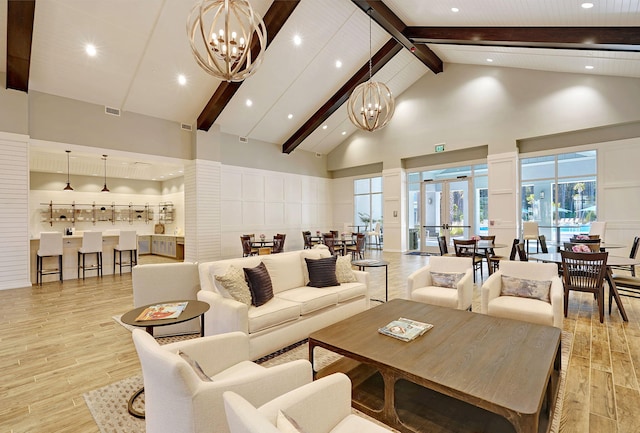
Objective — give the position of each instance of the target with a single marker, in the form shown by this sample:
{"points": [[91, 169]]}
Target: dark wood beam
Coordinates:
{"points": [[381, 58], [274, 19], [576, 38], [20, 15], [389, 21]]}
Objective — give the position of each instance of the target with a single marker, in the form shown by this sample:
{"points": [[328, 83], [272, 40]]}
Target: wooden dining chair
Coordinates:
{"points": [[247, 248], [357, 250], [278, 243], [329, 241], [444, 249], [632, 255], [469, 248], [584, 272]]}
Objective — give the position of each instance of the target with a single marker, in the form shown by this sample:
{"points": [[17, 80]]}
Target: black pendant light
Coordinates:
{"points": [[68, 187], [105, 189]]}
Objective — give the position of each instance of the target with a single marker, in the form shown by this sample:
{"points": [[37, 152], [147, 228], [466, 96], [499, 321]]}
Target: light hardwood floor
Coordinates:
{"points": [[58, 341]]}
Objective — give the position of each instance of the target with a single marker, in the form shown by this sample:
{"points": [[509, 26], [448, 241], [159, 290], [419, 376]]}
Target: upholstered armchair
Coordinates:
{"points": [[183, 391], [445, 281], [515, 290], [321, 406]]}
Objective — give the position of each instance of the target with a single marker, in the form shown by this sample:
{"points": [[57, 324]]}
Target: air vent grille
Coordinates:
{"points": [[186, 127], [243, 139], [112, 111]]}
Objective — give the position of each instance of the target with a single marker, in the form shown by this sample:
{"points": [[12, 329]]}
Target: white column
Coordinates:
{"points": [[394, 189]]}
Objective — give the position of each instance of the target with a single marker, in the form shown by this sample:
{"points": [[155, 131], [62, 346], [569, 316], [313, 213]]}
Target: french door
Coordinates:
{"points": [[445, 210]]}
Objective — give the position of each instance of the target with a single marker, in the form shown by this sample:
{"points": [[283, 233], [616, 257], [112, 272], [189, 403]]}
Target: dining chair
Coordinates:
{"points": [[247, 248], [530, 233], [306, 236], [522, 253], [375, 233], [444, 249], [357, 250], [584, 272], [329, 241], [494, 261], [598, 228], [632, 255], [469, 248], [278, 243], [542, 240]]}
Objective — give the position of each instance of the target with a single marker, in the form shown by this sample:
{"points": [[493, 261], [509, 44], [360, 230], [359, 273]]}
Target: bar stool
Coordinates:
{"points": [[128, 241], [91, 244], [50, 246]]}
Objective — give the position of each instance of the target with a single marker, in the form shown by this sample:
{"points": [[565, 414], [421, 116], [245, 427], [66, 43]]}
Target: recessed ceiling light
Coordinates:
{"points": [[290, 116], [588, 67], [91, 50], [586, 5], [324, 126], [249, 102], [182, 80], [338, 63], [344, 132], [297, 40], [489, 60], [455, 10]]}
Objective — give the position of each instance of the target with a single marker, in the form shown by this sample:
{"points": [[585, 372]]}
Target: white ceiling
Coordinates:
{"points": [[142, 47]]}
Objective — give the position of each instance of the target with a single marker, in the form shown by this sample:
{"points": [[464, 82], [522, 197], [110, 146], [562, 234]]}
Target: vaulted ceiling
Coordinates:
{"points": [[298, 93]]}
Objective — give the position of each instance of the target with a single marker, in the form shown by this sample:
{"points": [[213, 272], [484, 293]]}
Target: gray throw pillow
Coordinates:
{"points": [[446, 279], [322, 272], [259, 284], [523, 288]]}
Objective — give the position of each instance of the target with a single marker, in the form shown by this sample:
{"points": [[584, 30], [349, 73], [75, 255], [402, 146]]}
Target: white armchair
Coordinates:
{"points": [[323, 406], [525, 308], [422, 287], [178, 400]]}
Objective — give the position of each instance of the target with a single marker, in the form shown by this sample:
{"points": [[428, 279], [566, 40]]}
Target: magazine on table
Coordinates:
{"points": [[162, 311], [405, 329]]}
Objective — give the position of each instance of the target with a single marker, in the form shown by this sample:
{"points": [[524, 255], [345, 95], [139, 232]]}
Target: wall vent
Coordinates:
{"points": [[112, 111], [243, 139], [186, 127], [318, 155]]}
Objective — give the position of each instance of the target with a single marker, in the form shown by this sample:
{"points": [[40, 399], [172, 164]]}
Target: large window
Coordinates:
{"points": [[559, 191], [367, 201]]}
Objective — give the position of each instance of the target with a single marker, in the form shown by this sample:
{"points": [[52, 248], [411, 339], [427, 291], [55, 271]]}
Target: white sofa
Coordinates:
{"points": [[422, 288], [295, 311]]}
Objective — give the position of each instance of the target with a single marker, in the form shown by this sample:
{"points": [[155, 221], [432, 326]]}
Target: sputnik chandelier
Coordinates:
{"points": [[371, 104], [222, 35]]}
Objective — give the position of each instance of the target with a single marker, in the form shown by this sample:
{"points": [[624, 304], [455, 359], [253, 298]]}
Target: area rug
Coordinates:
{"points": [[108, 404], [418, 253]]}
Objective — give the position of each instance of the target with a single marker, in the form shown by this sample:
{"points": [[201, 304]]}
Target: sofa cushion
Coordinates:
{"points": [[259, 284], [273, 313], [347, 291], [524, 288], [195, 365], [286, 424], [525, 309], [235, 284], [344, 272], [322, 272], [446, 279], [285, 270], [310, 298], [440, 296]]}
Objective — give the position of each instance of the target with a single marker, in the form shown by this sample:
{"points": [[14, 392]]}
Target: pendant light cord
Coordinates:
{"points": [[370, 62]]}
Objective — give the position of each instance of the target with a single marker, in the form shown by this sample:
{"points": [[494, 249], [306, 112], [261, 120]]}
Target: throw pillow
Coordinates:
{"points": [[322, 272], [234, 282], [196, 367], [286, 424], [534, 289], [446, 279], [344, 273], [259, 284]]}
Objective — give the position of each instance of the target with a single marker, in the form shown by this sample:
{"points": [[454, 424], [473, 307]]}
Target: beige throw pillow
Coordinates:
{"points": [[449, 280], [234, 282], [534, 289], [344, 273]]}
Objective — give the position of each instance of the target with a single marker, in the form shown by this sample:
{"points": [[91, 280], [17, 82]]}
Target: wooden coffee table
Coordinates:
{"points": [[471, 372]]}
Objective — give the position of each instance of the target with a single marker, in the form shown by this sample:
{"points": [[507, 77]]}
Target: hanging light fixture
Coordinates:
{"points": [[371, 104], [105, 189], [221, 34], [68, 187]]}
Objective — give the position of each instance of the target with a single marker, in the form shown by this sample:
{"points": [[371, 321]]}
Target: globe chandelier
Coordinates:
{"points": [[222, 34], [371, 105]]}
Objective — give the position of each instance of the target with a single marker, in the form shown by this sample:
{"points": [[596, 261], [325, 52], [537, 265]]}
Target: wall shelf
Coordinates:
{"points": [[77, 212]]}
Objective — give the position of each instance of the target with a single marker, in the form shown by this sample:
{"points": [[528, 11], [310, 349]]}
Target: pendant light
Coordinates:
{"points": [[371, 105], [105, 189], [68, 187]]}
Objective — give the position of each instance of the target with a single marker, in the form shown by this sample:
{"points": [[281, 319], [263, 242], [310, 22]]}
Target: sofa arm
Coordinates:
{"points": [[257, 388], [491, 290], [556, 294], [363, 278], [206, 350], [419, 278], [465, 290], [225, 315]]}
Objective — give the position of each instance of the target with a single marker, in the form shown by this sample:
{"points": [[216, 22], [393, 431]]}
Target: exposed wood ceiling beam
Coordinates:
{"points": [[576, 38], [274, 19], [380, 59], [20, 15], [389, 21]]}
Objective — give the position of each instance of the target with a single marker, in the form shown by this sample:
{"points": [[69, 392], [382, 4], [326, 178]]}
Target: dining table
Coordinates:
{"points": [[556, 257]]}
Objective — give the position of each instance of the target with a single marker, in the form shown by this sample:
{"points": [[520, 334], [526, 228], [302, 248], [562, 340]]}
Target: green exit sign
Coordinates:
{"points": [[439, 148]]}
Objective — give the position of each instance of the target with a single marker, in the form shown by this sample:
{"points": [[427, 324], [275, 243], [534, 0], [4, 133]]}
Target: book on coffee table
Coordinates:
{"points": [[405, 329], [162, 311]]}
